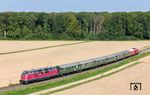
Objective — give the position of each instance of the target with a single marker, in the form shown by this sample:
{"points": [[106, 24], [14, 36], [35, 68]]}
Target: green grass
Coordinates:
{"points": [[51, 92], [31, 89]]}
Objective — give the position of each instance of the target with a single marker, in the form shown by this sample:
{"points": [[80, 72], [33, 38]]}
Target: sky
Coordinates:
{"points": [[74, 5]]}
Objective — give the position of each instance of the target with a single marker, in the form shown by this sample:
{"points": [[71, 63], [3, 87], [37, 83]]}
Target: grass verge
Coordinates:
{"points": [[71, 79], [51, 92]]}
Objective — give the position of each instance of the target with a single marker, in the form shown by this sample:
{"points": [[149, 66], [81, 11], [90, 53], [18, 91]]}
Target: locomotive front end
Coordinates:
{"points": [[24, 77], [134, 51]]}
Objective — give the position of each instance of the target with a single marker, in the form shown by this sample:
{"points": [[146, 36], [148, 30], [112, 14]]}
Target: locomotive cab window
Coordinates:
{"points": [[46, 70], [25, 72]]}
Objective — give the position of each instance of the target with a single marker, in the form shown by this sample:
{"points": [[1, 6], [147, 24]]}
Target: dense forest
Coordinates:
{"points": [[75, 26]]}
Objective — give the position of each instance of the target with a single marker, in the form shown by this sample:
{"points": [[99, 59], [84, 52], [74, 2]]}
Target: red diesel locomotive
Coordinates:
{"points": [[134, 51], [38, 74]]}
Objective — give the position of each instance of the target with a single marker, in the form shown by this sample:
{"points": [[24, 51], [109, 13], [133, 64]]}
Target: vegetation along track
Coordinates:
{"points": [[33, 49], [19, 86]]}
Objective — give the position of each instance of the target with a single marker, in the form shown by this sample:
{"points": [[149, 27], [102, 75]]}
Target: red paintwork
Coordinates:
{"points": [[38, 75], [134, 51]]}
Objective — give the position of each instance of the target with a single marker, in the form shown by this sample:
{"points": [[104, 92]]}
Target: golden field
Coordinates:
{"points": [[12, 65]]}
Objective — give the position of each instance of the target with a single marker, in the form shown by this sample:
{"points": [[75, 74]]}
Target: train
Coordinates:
{"points": [[40, 74]]}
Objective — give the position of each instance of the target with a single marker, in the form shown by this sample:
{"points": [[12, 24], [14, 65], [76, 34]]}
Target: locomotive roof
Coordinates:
{"points": [[36, 70]]}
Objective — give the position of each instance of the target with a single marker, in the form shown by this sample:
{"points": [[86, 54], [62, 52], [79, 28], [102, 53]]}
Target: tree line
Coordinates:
{"points": [[75, 26]]}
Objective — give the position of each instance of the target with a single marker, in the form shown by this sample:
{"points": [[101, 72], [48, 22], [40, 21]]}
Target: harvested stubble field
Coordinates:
{"points": [[117, 84], [12, 65]]}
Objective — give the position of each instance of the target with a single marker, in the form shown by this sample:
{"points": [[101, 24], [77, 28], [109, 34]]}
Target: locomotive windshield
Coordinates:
{"points": [[25, 72]]}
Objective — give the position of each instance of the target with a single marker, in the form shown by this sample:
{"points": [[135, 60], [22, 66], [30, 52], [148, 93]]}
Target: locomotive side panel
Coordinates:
{"points": [[39, 74]]}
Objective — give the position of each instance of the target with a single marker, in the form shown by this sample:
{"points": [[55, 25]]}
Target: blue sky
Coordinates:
{"points": [[74, 5]]}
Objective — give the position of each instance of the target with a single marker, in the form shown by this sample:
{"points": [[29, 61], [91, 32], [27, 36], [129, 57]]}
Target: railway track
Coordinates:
{"points": [[19, 86], [33, 49]]}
